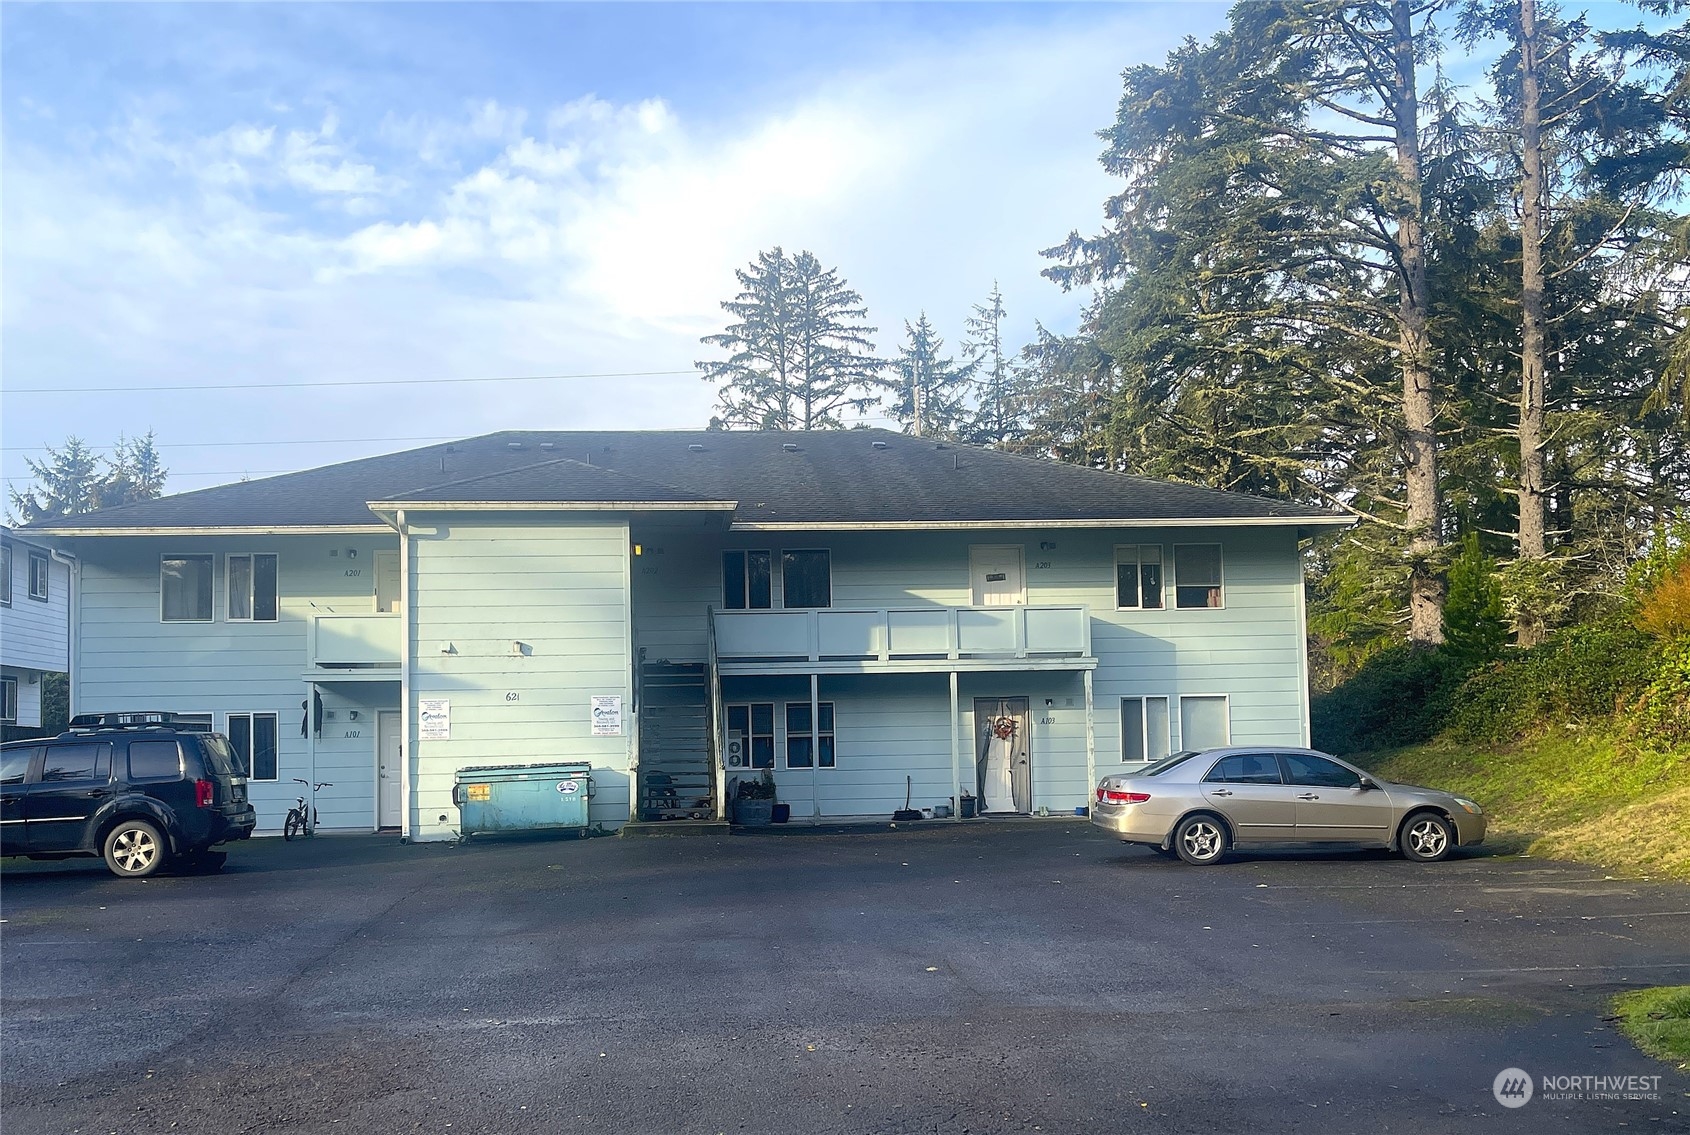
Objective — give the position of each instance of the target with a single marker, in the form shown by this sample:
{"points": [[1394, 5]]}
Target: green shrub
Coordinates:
{"points": [[1662, 711], [1580, 674], [1474, 626], [1400, 696]]}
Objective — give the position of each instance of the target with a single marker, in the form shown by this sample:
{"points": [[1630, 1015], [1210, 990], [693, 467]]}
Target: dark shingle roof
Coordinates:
{"points": [[835, 478]]}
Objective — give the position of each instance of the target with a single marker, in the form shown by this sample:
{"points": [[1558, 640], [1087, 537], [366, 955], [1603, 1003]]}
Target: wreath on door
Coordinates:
{"points": [[1004, 728]]}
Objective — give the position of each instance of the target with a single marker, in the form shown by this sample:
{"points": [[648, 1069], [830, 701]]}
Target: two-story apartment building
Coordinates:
{"points": [[35, 589], [864, 614]]}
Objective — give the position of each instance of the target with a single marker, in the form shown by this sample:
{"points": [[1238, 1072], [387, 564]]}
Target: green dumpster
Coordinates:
{"points": [[524, 798]]}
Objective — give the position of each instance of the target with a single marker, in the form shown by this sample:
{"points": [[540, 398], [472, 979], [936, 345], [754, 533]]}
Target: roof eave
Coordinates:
{"points": [[215, 530], [387, 509], [964, 525]]}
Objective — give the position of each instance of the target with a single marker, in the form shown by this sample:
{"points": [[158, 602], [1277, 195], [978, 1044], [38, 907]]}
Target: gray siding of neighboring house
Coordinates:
{"points": [[1251, 650], [128, 658], [479, 583], [35, 633]]}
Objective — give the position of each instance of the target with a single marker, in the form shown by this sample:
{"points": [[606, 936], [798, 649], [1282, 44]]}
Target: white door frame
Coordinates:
{"points": [[977, 551], [389, 724]]}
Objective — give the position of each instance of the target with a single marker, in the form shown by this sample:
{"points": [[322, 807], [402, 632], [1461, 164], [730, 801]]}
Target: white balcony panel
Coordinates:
{"points": [[849, 634], [764, 634], [355, 640], [989, 630], [920, 632], [1055, 630]]}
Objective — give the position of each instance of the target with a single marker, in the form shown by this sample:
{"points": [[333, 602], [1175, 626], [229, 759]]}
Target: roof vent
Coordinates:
{"points": [[513, 445], [696, 448], [878, 444], [789, 446]]}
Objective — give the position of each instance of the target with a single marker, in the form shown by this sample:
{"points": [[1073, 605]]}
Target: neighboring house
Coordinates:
{"points": [[35, 605], [860, 612]]}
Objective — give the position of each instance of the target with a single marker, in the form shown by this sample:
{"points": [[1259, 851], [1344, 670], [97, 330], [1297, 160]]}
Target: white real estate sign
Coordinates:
{"points": [[607, 715], [434, 719]]}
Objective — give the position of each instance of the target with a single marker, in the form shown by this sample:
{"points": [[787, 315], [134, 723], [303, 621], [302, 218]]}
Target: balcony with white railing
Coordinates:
{"points": [[364, 645], [865, 640]]}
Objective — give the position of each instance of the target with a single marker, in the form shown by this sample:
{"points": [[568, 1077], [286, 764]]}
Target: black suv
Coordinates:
{"points": [[138, 789]]}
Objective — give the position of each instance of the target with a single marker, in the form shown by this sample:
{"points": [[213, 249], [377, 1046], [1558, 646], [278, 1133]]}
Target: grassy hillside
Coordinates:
{"points": [[1585, 794]]}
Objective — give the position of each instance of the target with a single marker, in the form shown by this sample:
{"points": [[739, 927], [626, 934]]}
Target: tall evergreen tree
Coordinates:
{"points": [[799, 352], [65, 484], [928, 390], [999, 417], [1275, 191], [75, 479], [136, 473]]}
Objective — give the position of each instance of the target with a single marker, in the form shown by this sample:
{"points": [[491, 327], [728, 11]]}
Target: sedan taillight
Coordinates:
{"points": [[203, 793], [1113, 796]]}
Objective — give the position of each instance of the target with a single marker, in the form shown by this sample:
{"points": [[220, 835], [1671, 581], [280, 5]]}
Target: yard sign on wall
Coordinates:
{"points": [[434, 719], [607, 715]]}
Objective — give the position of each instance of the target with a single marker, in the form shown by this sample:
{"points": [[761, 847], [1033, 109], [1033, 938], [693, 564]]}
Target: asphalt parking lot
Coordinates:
{"points": [[1011, 977]]}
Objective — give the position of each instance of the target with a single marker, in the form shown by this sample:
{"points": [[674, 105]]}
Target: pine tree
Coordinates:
{"points": [[928, 391], [798, 351], [66, 483], [999, 417], [136, 473], [1474, 626], [1275, 193], [74, 479]]}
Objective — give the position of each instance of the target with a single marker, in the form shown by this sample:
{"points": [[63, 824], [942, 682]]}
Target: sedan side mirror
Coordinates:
{"points": [[1367, 783]]}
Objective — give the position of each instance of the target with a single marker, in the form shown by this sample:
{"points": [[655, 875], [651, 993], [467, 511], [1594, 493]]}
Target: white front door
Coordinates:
{"points": [[390, 766], [387, 582], [998, 575]]}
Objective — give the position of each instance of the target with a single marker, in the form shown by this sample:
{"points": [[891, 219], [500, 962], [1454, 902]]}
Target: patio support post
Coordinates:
{"points": [[956, 754], [816, 744], [1091, 741]]}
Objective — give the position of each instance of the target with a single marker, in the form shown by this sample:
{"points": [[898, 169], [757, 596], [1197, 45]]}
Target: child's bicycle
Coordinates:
{"points": [[302, 820]]}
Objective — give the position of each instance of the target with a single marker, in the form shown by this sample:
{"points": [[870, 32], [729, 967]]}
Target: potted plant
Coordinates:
{"points": [[754, 801]]}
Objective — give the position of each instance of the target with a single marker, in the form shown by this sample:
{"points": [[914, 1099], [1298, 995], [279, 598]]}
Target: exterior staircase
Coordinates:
{"points": [[677, 777]]}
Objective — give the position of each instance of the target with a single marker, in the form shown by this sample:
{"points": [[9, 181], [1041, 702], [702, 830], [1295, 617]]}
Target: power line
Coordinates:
{"points": [[209, 473], [249, 444], [341, 382]]}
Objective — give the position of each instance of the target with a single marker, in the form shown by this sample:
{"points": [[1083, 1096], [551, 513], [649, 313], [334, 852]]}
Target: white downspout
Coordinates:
{"points": [[1302, 646], [73, 624], [406, 749]]}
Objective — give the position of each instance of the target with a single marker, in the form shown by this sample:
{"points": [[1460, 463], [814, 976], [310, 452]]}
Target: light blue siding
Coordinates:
{"points": [[479, 585], [128, 658], [1250, 650], [889, 727]]}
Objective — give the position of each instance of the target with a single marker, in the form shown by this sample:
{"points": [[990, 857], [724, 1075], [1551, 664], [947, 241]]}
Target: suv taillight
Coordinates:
{"points": [[203, 793]]}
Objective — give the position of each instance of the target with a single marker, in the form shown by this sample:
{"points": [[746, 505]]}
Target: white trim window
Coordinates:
{"points": [[1138, 577], [184, 588], [251, 578], [798, 738], [747, 581], [40, 577], [1205, 721], [8, 701], [5, 575], [755, 722], [1144, 729], [1197, 577], [806, 578], [256, 740]]}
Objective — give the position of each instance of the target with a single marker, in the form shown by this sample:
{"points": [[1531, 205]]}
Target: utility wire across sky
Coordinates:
{"points": [[339, 382]]}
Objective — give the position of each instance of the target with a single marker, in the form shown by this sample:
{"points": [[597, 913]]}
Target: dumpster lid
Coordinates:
{"points": [[550, 768]]}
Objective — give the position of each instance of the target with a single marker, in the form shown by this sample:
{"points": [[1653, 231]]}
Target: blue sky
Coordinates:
{"points": [[211, 195]]}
